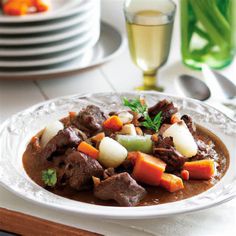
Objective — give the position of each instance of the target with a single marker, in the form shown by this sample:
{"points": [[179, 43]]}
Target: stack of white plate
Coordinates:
{"points": [[64, 33]]}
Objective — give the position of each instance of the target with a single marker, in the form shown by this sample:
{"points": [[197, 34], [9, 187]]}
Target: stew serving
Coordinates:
{"points": [[140, 156]]}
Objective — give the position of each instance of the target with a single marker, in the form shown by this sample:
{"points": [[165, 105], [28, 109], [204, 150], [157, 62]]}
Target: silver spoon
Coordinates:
{"points": [[220, 86], [195, 88]]}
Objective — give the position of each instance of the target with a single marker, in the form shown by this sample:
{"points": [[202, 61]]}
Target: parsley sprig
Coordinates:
{"points": [[49, 177], [137, 106]]}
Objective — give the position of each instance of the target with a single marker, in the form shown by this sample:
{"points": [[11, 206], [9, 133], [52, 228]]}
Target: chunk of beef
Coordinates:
{"points": [[163, 128], [90, 120], [79, 170], [108, 172], [166, 108], [189, 122], [164, 149], [122, 188], [127, 166], [64, 139], [205, 151]]}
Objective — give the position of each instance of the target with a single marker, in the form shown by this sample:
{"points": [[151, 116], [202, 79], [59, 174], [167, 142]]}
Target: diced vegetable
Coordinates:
{"points": [[171, 182], [182, 138], [96, 181], [23, 7], [15, 8], [185, 174], [98, 137], [49, 177], [148, 169], [175, 118], [35, 142], [50, 131], [41, 5], [126, 117], [72, 114], [128, 129], [111, 153], [139, 131], [154, 138], [113, 123], [203, 169], [135, 143], [88, 150]]}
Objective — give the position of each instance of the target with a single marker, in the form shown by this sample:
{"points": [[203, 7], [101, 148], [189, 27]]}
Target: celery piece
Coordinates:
{"points": [[199, 11], [201, 33], [185, 26], [135, 143], [216, 16]]}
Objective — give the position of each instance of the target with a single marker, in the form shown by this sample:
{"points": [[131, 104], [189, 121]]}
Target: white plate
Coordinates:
{"points": [[54, 47], [50, 26], [58, 9], [18, 130], [55, 58], [110, 44], [41, 38]]}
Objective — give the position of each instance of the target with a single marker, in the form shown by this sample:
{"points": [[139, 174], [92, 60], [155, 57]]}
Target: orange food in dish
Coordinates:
{"points": [[88, 150], [113, 123], [185, 174], [148, 169], [202, 169], [23, 7], [171, 182]]}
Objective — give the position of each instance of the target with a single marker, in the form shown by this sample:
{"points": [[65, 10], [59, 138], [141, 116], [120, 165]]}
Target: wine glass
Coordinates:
{"points": [[149, 26]]}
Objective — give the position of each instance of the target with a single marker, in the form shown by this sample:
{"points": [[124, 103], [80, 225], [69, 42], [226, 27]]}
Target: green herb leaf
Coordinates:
{"points": [[136, 106], [157, 120], [152, 124], [49, 177]]}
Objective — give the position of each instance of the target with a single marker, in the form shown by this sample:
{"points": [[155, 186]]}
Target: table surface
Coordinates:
{"points": [[119, 74]]}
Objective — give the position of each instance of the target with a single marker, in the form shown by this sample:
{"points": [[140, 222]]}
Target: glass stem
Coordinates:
{"points": [[149, 79], [149, 82]]}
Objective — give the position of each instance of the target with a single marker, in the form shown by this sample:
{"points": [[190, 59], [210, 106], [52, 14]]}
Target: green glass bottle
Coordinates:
{"points": [[208, 32]]}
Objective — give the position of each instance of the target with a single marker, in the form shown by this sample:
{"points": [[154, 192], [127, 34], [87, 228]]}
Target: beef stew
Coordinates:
{"points": [[127, 159]]}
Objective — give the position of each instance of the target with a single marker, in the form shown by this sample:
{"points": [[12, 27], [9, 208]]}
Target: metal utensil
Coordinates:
{"points": [[209, 91], [219, 84]]}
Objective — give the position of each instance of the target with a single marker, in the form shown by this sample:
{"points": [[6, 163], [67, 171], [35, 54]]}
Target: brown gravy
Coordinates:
{"points": [[156, 195]]}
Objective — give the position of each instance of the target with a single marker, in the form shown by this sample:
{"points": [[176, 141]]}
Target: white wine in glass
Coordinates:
{"points": [[149, 27]]}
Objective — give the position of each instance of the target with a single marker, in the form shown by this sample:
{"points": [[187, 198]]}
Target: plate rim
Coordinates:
{"points": [[58, 59], [71, 21], [57, 36], [63, 45], [53, 73], [114, 212], [27, 19]]}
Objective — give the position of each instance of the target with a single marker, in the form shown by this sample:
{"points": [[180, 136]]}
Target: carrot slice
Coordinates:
{"points": [[88, 150], [22, 7], [113, 123], [72, 114], [172, 183], [98, 137], [185, 174], [203, 169], [15, 8], [41, 5], [148, 169], [174, 118]]}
